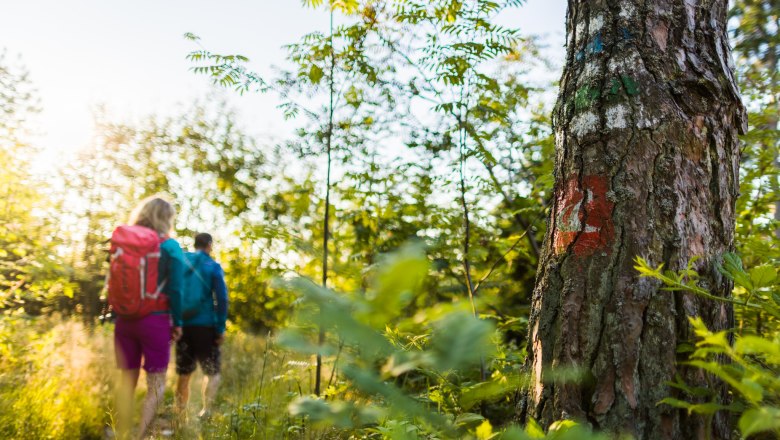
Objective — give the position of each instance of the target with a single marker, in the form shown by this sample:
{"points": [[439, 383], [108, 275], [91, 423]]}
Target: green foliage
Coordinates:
{"points": [[401, 376], [562, 430], [755, 36], [225, 70], [753, 368], [32, 274], [471, 73], [57, 381], [53, 380]]}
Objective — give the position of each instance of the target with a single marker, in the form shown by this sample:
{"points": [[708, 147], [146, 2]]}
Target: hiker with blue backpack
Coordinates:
{"points": [[144, 285], [204, 308]]}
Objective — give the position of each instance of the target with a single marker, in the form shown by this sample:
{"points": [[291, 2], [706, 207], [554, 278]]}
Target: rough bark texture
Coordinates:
{"points": [[646, 165]]}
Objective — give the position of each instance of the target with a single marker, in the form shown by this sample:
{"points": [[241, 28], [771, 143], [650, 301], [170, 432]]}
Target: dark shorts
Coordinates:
{"points": [[148, 338], [197, 345]]}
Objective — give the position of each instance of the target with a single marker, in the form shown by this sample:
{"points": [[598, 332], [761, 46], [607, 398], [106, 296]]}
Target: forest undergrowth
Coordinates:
{"points": [[57, 379]]}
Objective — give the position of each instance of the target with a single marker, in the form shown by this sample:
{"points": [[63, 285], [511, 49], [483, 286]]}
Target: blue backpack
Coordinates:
{"points": [[194, 284]]}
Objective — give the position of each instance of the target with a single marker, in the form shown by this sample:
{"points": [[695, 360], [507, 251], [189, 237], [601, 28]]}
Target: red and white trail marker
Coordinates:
{"points": [[583, 216]]}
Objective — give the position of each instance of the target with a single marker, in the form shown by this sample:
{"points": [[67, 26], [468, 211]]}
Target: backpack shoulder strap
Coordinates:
{"points": [[194, 270]]}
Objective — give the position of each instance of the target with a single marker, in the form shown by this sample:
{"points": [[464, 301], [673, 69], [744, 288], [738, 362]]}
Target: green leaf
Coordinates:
{"points": [[484, 431], [706, 409], [315, 74], [571, 430], [562, 425], [336, 313], [514, 433], [749, 389], [758, 346], [398, 401], [763, 276], [337, 413], [732, 268], [399, 277], [460, 340], [490, 390], [676, 403], [533, 429], [295, 340], [690, 390], [761, 419], [468, 420]]}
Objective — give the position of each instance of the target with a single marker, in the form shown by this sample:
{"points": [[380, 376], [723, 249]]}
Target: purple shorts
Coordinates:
{"points": [[149, 337]]}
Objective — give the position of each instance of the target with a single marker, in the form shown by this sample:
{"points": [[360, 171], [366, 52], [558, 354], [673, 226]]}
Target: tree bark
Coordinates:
{"points": [[647, 157]]}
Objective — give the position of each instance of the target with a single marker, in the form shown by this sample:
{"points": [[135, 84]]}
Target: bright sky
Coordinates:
{"points": [[130, 55]]}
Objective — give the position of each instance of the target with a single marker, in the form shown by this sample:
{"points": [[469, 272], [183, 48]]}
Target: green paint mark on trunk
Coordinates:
{"points": [[585, 96], [632, 88], [614, 86]]}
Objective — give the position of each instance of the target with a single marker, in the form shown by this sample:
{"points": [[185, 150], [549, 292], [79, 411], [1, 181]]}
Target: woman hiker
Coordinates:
{"points": [[144, 290]]}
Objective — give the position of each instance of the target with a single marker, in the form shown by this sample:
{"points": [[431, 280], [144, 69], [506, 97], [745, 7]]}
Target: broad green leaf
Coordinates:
{"points": [[533, 429], [295, 340], [469, 419], [514, 433], [336, 313], [315, 74], [336, 413], [399, 403], [763, 276], [399, 277], [749, 390], [707, 409], [758, 346], [732, 268], [756, 420], [460, 340], [492, 389], [562, 425], [484, 431], [571, 430]]}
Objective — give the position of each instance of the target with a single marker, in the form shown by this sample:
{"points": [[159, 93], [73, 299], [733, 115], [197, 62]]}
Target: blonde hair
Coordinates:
{"points": [[154, 212]]}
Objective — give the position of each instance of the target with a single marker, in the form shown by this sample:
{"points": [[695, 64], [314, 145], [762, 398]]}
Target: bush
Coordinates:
{"points": [[437, 374]]}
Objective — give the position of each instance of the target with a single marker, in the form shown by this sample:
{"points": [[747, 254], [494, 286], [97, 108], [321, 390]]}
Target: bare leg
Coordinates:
{"points": [[125, 397], [209, 391], [182, 393], [155, 383]]}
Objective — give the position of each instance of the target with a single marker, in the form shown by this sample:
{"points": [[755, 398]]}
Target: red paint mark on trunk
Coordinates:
{"points": [[583, 216]]}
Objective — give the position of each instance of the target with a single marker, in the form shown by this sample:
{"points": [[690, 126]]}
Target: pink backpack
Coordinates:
{"points": [[132, 280]]}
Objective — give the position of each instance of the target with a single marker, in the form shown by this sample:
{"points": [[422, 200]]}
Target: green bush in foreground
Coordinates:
{"points": [[407, 377], [753, 368]]}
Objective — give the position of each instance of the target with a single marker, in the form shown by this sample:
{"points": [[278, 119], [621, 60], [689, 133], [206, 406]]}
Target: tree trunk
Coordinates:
{"points": [[646, 165]]}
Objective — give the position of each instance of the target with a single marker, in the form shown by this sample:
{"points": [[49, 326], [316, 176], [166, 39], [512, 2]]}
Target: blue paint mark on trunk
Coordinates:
{"points": [[596, 46]]}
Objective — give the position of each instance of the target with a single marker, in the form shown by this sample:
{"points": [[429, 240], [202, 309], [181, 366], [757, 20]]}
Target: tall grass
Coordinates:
{"points": [[54, 379], [57, 379]]}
